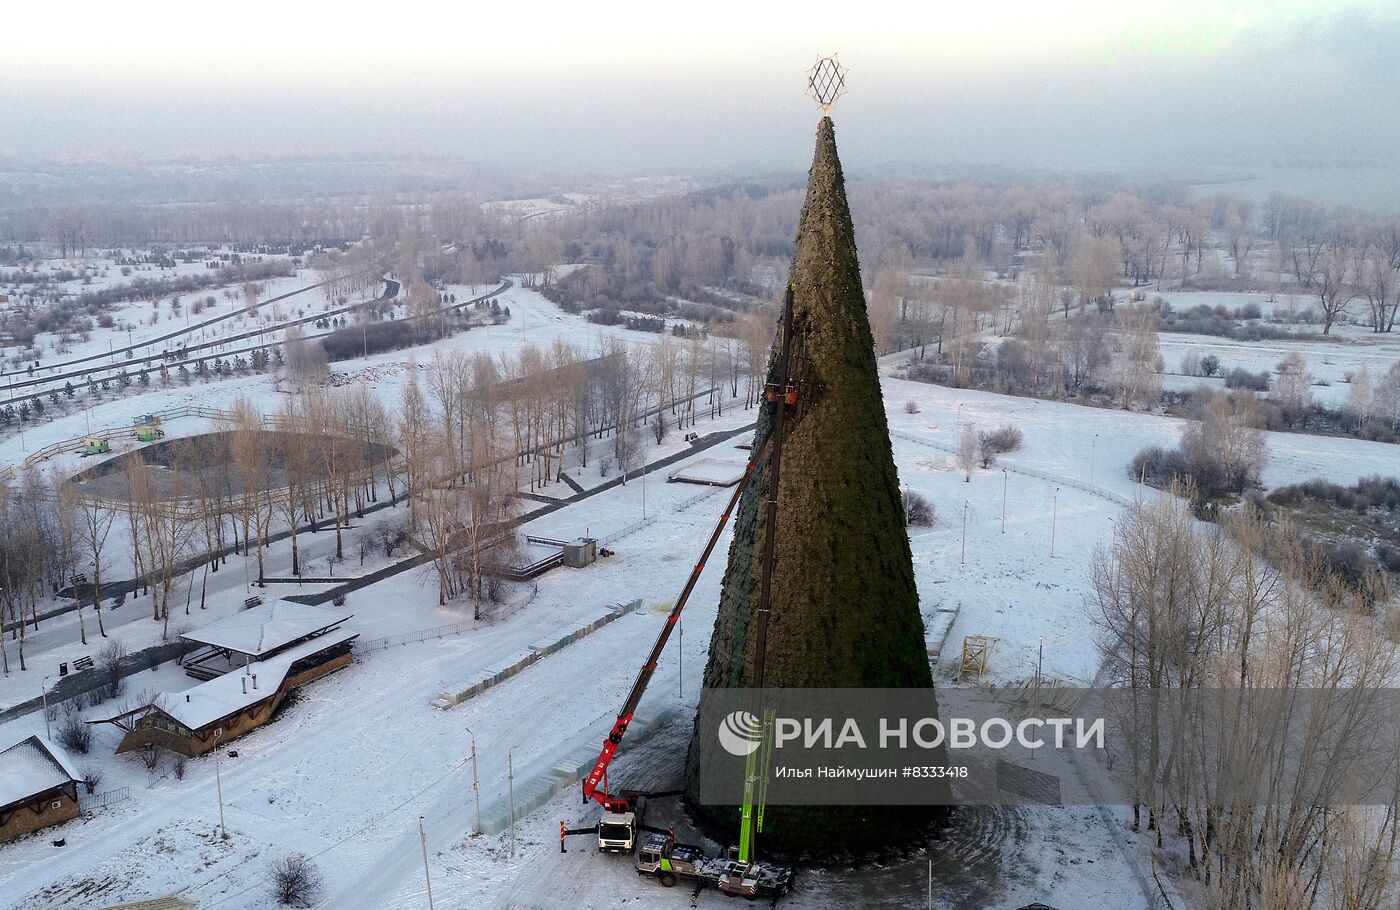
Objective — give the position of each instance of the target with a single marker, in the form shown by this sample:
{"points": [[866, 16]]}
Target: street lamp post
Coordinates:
{"points": [[962, 559], [1054, 513], [1003, 500], [1092, 451], [423, 839], [510, 783], [48, 732], [476, 784], [219, 787]]}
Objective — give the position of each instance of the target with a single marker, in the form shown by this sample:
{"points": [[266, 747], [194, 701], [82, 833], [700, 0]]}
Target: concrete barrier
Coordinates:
{"points": [[515, 663]]}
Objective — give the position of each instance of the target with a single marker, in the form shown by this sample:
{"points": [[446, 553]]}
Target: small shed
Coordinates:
{"points": [[146, 428], [582, 551], [38, 787], [95, 446]]}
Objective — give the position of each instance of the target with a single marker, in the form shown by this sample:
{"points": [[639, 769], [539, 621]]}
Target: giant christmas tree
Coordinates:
{"points": [[845, 610]]}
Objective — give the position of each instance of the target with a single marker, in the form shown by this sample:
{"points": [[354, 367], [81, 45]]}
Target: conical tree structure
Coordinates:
{"points": [[845, 609]]}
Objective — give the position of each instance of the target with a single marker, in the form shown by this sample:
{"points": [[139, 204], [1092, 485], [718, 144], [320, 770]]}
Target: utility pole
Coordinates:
{"points": [[1003, 500], [423, 839], [48, 732], [1054, 513], [476, 784], [510, 782], [219, 788], [1092, 449], [962, 559]]}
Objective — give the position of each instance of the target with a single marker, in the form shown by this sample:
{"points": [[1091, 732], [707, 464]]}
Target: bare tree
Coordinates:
{"points": [[1335, 285], [248, 446], [1226, 439], [295, 881], [251, 291], [1388, 396], [1135, 367], [304, 357], [413, 436], [967, 451], [1361, 399], [1378, 277], [1293, 389]]}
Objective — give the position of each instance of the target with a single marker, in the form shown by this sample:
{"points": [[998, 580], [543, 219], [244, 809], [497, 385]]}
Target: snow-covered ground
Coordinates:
{"points": [[1350, 346], [136, 321], [348, 767]]}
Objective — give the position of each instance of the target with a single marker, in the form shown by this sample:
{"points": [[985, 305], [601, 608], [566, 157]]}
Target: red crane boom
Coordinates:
{"points": [[595, 785], [778, 395]]}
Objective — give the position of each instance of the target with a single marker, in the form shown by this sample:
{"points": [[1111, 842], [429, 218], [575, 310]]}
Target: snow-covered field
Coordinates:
{"points": [[1350, 346], [348, 767]]}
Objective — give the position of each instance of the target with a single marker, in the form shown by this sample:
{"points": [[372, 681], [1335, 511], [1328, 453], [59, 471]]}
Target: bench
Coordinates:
{"points": [[251, 602], [82, 663]]}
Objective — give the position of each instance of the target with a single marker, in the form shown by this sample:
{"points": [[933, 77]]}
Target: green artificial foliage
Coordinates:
{"points": [[845, 609]]}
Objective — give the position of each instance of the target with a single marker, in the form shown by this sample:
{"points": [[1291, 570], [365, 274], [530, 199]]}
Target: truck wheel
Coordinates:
{"points": [[668, 879]]}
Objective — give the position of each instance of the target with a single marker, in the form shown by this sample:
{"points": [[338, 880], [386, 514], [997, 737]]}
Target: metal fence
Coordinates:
{"points": [[633, 528], [698, 497], [102, 800]]}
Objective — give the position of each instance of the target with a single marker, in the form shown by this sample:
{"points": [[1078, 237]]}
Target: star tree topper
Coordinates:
{"points": [[826, 82]]}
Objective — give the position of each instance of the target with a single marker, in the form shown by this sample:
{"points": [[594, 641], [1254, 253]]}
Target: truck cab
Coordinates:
{"points": [[617, 832], [668, 862]]}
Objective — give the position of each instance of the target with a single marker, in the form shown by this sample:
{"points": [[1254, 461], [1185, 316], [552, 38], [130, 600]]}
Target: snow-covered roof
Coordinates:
{"points": [[265, 628], [33, 766], [224, 695]]}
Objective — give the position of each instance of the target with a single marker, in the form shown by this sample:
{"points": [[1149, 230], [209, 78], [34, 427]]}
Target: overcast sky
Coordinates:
{"points": [[712, 85]]}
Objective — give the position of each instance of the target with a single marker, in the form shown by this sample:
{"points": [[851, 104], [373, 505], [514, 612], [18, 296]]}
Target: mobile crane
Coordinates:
{"points": [[738, 874]]}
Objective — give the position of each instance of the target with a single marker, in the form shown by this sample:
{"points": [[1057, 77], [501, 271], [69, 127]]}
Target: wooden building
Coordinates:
{"points": [[38, 787], [249, 662], [256, 634]]}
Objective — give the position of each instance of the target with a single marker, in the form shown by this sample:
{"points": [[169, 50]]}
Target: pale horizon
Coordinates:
{"points": [[1085, 85]]}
